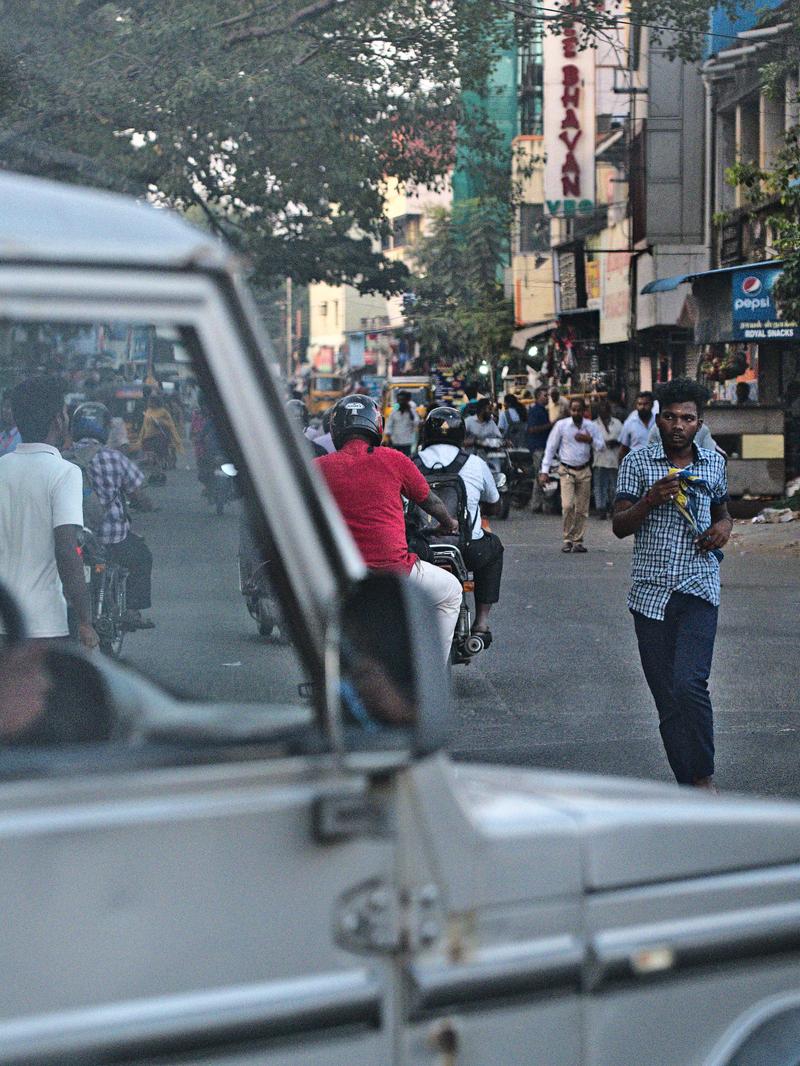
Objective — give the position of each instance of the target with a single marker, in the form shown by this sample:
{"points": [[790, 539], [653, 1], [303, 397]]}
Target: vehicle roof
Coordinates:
{"points": [[49, 221]]}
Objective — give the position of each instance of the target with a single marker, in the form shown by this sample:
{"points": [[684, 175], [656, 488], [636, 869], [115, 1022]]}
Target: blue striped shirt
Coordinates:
{"points": [[665, 556]]}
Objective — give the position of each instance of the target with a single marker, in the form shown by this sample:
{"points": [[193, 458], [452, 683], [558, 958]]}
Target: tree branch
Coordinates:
{"points": [[312, 11], [235, 19]]}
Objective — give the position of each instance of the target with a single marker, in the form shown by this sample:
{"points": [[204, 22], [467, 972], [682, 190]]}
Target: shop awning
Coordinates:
{"points": [[668, 284], [521, 338]]}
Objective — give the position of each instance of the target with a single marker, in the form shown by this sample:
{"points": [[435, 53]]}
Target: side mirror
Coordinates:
{"points": [[395, 680]]}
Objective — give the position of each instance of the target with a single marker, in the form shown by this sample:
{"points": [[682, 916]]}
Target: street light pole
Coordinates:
{"points": [[289, 366]]}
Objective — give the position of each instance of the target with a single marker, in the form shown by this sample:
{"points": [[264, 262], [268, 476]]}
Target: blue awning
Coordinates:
{"points": [[668, 284], [665, 284]]}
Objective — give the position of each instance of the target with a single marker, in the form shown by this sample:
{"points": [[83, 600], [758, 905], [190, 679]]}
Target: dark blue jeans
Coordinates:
{"points": [[676, 658]]}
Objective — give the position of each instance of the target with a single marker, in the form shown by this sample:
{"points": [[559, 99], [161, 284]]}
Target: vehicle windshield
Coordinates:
{"points": [[328, 384], [419, 395], [196, 610]]}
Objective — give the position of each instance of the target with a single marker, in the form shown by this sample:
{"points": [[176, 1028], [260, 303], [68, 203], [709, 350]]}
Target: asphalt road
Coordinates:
{"points": [[561, 686]]}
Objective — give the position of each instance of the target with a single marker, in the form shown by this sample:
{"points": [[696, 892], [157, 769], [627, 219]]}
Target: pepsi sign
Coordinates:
{"points": [[755, 315]]}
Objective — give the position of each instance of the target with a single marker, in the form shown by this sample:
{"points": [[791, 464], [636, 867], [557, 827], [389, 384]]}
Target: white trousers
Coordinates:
{"points": [[445, 591]]}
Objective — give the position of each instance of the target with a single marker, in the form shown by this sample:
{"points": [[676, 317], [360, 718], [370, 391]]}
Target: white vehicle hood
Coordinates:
{"points": [[557, 833]]}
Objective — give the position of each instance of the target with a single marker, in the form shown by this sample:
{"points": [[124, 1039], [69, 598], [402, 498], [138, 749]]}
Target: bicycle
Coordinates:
{"points": [[108, 590]]}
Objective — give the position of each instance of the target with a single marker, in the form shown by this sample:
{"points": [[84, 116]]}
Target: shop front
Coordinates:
{"points": [[747, 356]]}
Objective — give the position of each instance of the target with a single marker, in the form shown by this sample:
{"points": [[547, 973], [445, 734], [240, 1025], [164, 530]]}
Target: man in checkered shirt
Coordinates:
{"points": [[675, 594], [115, 480]]}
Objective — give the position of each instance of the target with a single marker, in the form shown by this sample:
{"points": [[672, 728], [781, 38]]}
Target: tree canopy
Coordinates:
{"points": [[275, 121]]}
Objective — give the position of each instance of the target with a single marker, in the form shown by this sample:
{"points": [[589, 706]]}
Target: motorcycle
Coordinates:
{"points": [[496, 456], [466, 644], [223, 486], [254, 583], [513, 470], [447, 554]]}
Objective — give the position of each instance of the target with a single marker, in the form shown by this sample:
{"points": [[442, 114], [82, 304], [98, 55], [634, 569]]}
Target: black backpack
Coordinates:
{"points": [[449, 486]]}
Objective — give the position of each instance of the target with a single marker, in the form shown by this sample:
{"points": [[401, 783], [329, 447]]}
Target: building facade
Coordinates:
{"points": [[746, 352]]}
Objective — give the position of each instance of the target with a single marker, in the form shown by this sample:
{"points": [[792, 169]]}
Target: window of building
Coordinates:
{"points": [[534, 231], [531, 81]]}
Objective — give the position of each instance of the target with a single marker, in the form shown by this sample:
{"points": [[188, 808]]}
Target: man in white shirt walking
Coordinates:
{"points": [[41, 515], [637, 426], [572, 439]]}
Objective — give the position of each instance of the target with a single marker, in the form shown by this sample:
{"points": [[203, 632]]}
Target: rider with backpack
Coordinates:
{"points": [[110, 479], [466, 486]]}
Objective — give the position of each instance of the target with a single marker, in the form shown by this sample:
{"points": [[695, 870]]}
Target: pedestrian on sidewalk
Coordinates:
{"points": [[606, 463], [671, 495], [572, 439]]}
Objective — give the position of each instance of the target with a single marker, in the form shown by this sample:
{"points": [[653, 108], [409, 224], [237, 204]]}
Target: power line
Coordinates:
{"points": [[553, 14]]}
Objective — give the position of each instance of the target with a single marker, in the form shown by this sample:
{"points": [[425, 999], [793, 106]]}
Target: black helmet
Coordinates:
{"points": [[297, 409], [356, 415], [91, 420], [444, 425]]}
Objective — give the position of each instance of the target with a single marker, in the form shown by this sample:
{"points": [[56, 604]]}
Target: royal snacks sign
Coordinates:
{"points": [[569, 124], [755, 314]]}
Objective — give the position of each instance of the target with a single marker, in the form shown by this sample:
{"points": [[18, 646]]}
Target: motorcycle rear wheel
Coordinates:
{"points": [[266, 619]]}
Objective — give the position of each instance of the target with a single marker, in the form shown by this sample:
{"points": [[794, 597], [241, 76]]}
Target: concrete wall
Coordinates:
{"points": [[674, 152], [531, 275]]}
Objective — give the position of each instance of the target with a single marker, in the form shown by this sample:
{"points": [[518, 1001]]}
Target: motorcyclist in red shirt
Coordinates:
{"points": [[368, 483]]}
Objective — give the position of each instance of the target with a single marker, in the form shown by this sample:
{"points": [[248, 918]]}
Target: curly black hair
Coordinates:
{"points": [[682, 390]]}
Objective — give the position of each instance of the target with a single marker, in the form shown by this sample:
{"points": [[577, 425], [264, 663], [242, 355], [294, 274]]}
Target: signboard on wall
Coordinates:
{"points": [[755, 315], [615, 286], [569, 125]]}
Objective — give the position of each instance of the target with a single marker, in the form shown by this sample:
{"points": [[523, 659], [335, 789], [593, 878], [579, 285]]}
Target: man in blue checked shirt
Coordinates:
{"points": [[671, 495]]}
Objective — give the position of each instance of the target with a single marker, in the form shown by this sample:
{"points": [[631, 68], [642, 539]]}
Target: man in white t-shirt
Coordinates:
{"points": [[41, 515], [442, 436]]}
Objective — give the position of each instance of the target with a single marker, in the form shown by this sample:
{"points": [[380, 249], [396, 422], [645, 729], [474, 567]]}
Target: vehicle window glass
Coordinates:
{"points": [[196, 611]]}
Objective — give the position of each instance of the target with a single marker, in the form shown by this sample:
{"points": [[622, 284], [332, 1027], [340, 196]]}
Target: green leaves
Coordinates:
{"points": [[460, 313]]}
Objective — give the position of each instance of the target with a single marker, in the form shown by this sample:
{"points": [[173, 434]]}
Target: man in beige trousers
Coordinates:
{"points": [[572, 439]]}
